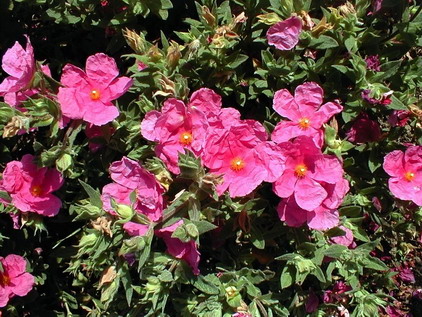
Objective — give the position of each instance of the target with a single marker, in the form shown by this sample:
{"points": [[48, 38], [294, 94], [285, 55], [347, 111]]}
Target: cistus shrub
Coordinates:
{"points": [[211, 158]]}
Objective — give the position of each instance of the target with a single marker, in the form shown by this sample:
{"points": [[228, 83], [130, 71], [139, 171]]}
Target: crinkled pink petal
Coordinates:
{"points": [[335, 193], [52, 181], [325, 113], [403, 189], [48, 205], [272, 159], [322, 219], [285, 186], [287, 130], [19, 62], [289, 212], [148, 130], [73, 76], [119, 193], [135, 229], [285, 105], [127, 172], [118, 87], [309, 194], [284, 35], [22, 284], [346, 239], [309, 95], [393, 163], [14, 264], [101, 69], [69, 104], [413, 158], [169, 154], [206, 100], [98, 113], [327, 169], [12, 177], [258, 129], [5, 295]]}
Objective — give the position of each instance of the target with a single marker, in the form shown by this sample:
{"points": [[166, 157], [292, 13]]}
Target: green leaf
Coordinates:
{"points": [[286, 278], [207, 284], [374, 263], [323, 42], [396, 104], [204, 226], [335, 251], [94, 195]]}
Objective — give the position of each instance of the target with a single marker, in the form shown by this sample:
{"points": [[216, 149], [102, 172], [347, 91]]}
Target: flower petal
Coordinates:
{"points": [[309, 194], [101, 69]]}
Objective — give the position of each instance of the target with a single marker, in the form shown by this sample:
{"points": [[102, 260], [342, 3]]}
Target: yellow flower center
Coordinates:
{"points": [[36, 190], [4, 279], [94, 94], [304, 123], [186, 138], [301, 170], [237, 164], [409, 176]]}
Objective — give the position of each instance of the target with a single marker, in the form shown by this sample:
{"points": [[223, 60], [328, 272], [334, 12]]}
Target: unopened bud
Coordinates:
{"points": [[269, 18], [173, 54], [124, 211]]}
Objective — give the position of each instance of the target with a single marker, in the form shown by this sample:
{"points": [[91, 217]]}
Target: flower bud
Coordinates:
{"points": [[124, 211]]}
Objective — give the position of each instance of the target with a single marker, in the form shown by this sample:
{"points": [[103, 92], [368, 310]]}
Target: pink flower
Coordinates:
{"points": [[346, 239], [19, 63], [242, 155], [31, 187], [187, 251], [306, 172], [284, 35], [176, 128], [88, 95], [335, 295], [405, 170], [14, 280], [129, 177], [305, 112], [364, 130]]}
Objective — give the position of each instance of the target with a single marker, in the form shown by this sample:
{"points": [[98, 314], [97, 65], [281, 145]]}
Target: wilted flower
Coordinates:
{"points": [[305, 112], [88, 95], [364, 130], [384, 99], [187, 251], [93, 131], [399, 118], [373, 63], [14, 280], [405, 170], [31, 187], [284, 35], [335, 294]]}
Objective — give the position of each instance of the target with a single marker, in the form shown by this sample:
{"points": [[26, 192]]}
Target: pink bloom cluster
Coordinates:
{"points": [[31, 187], [236, 148], [284, 35], [88, 95], [128, 177], [312, 185], [405, 170], [14, 280], [305, 113], [19, 63]]}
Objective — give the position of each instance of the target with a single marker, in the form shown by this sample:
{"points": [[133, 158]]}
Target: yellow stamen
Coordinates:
{"points": [[237, 164], [304, 123], [36, 190], [186, 138], [94, 94], [301, 170], [409, 176]]}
